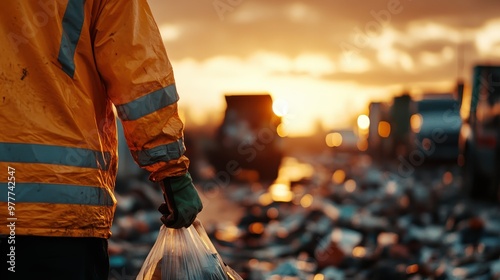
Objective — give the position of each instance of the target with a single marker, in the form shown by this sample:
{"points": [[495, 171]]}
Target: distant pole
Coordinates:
{"points": [[460, 72], [460, 61]]}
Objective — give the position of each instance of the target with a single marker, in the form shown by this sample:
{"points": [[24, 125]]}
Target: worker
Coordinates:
{"points": [[68, 68]]}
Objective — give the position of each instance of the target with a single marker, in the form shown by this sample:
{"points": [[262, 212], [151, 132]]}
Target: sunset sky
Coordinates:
{"points": [[322, 60]]}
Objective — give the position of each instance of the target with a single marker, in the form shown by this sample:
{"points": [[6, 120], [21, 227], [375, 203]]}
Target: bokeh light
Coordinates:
{"points": [[333, 139], [363, 122]]}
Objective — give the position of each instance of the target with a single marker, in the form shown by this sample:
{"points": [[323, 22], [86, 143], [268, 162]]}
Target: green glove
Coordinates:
{"points": [[182, 203]]}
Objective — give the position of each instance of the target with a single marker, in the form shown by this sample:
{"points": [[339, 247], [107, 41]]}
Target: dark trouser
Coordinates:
{"points": [[53, 258]]}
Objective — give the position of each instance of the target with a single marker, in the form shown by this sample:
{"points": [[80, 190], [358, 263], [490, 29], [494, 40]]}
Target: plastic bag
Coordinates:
{"points": [[185, 253], [229, 272]]}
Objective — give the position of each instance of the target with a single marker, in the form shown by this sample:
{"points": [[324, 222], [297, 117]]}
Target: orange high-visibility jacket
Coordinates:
{"points": [[68, 67]]}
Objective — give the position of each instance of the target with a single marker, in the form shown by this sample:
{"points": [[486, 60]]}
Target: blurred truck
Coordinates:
{"points": [[389, 134], [379, 131], [436, 126], [247, 145], [479, 137], [400, 114]]}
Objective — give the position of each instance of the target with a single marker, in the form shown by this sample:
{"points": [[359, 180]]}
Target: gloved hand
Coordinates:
{"points": [[182, 203]]}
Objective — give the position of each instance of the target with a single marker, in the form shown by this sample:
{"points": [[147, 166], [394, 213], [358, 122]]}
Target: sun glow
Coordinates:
{"points": [[300, 98]]}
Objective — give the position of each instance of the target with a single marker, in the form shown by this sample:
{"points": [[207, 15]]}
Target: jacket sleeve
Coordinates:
{"points": [[139, 80]]}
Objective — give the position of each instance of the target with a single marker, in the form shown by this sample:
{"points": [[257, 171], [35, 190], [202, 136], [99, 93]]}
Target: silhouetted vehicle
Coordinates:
{"points": [[479, 137], [380, 144], [400, 113], [247, 145], [438, 128]]}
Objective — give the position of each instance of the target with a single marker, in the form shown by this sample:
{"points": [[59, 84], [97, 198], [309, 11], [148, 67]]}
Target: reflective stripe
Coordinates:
{"points": [[72, 23], [148, 104], [57, 193], [167, 152], [37, 153]]}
